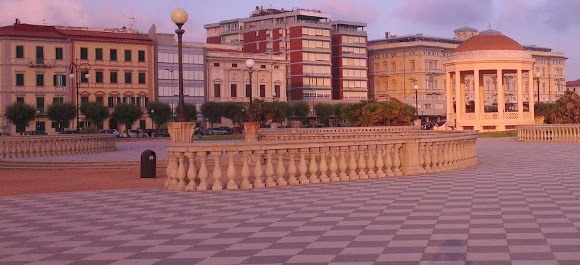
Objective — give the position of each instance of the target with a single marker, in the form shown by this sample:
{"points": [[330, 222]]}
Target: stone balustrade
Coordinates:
{"points": [[241, 165], [549, 133], [34, 146], [334, 132]]}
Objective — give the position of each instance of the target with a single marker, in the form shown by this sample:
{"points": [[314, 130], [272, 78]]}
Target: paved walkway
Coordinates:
{"points": [[519, 206]]}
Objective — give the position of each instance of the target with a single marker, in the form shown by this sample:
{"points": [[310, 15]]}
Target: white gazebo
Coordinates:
{"points": [[489, 84]]}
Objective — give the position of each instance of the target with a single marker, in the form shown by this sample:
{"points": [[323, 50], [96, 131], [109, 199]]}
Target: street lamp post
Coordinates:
{"points": [[37, 120], [179, 17], [250, 64], [538, 75], [416, 88], [75, 76]]}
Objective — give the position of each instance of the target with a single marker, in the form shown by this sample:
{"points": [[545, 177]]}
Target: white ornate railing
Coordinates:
{"points": [[33, 146], [334, 132], [240, 165], [549, 133]]}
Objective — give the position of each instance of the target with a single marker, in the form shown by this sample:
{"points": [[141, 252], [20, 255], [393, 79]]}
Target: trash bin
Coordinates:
{"points": [[148, 164], [198, 136]]}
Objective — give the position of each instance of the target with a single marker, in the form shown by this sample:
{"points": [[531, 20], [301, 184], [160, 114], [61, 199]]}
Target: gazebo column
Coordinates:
{"points": [[449, 92], [477, 100], [531, 101], [500, 95], [458, 99], [520, 89]]}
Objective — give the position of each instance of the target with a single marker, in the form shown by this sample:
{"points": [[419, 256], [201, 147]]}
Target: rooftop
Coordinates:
{"points": [[487, 41]]}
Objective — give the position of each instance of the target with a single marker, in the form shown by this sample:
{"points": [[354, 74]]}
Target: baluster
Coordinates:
{"points": [[292, 168], [171, 167], [245, 171], [258, 172], [231, 171], [362, 163], [280, 170], [446, 159], [342, 163], [380, 162], [313, 167], [323, 165], [270, 169], [333, 165], [389, 160], [302, 166], [217, 171], [422, 155], [397, 160], [371, 162], [435, 155], [191, 171], [203, 172], [428, 153], [451, 154], [180, 185], [352, 163]]}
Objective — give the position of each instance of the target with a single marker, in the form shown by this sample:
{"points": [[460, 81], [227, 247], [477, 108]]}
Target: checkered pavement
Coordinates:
{"points": [[519, 206]]}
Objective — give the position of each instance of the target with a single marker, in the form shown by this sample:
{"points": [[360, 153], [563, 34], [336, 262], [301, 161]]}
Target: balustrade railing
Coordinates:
{"points": [[549, 133], [34, 146], [240, 165], [334, 132]]}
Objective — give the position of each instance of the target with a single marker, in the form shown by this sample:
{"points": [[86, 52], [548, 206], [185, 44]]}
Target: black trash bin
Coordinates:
{"points": [[148, 164]]}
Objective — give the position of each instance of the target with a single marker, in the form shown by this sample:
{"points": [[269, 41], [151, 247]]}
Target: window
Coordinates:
{"points": [[412, 64], [216, 64], [141, 55], [100, 100], [99, 77], [113, 76], [128, 78], [19, 79], [40, 104], [141, 78], [127, 55], [233, 90], [84, 53], [19, 51], [263, 66], [84, 100], [113, 54], [277, 90], [59, 80], [57, 100], [98, 54], [19, 100], [39, 79], [248, 90], [58, 53], [84, 78], [216, 90], [234, 65], [113, 101], [262, 91]]}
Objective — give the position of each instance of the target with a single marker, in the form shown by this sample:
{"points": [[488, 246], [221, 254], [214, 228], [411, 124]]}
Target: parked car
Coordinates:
{"points": [[222, 130], [4, 134], [134, 134], [69, 132], [163, 132], [111, 131], [149, 132], [35, 133], [203, 131]]}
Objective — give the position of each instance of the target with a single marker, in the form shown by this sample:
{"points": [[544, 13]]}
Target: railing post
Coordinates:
{"points": [[410, 158]]}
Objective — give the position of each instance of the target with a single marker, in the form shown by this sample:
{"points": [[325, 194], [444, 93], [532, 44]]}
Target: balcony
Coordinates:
{"points": [[40, 62]]}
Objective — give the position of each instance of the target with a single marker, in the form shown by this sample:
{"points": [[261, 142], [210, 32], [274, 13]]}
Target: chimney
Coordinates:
{"points": [[17, 21], [387, 35]]}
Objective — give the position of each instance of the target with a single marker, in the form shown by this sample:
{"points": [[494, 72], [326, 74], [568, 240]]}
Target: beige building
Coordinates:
{"points": [[228, 77], [487, 84], [399, 63]]}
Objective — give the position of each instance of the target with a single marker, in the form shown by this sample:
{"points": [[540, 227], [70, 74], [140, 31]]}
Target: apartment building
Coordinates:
{"points": [[34, 63], [304, 38], [349, 61], [399, 63]]}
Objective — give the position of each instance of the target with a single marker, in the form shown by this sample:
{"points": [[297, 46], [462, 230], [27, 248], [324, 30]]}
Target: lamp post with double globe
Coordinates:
{"points": [[75, 70]]}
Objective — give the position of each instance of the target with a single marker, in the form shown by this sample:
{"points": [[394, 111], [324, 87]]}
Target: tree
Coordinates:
{"points": [[566, 109], [301, 109], [95, 113], [20, 115], [212, 111], [159, 113], [233, 111], [62, 114], [280, 111], [127, 114], [323, 112], [190, 112]]}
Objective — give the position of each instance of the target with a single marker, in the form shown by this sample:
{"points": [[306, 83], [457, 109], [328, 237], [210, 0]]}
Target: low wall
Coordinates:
{"points": [[241, 165], [549, 133], [34, 146], [332, 132]]}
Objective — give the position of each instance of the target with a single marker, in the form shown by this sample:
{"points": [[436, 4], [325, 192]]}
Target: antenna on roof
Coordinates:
{"points": [[132, 23], [489, 24], [43, 22]]}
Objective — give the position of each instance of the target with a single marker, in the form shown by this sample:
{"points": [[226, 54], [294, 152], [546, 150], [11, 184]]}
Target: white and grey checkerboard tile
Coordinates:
{"points": [[519, 206]]}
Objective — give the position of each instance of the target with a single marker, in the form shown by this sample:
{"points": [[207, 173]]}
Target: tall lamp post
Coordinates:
{"points": [[75, 70], [416, 88], [37, 120], [250, 65], [179, 17], [538, 75]]}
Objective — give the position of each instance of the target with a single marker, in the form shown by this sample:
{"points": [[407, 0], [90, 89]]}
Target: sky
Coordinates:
{"points": [[546, 23]]}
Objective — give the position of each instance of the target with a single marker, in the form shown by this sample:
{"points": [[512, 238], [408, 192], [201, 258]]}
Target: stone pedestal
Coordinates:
{"points": [[417, 122], [539, 120], [251, 131], [181, 132]]}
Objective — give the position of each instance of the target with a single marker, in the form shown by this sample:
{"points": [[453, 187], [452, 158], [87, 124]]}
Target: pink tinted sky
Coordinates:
{"points": [[546, 23]]}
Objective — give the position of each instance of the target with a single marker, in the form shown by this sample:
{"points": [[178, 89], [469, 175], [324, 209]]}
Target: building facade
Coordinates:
{"points": [[304, 38], [349, 61], [399, 63], [34, 63]]}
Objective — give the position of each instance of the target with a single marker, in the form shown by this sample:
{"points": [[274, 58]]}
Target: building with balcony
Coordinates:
{"points": [[304, 38], [349, 61], [34, 63], [399, 63]]}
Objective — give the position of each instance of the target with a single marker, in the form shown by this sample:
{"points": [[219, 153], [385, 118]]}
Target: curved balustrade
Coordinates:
{"points": [[334, 132], [33, 146], [240, 165], [549, 133]]}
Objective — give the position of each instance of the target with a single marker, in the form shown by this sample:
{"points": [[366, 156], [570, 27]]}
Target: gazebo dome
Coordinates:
{"points": [[489, 40]]}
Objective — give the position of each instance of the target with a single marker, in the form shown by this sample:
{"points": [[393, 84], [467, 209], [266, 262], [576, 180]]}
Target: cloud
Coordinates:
{"points": [[448, 13], [357, 11]]}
